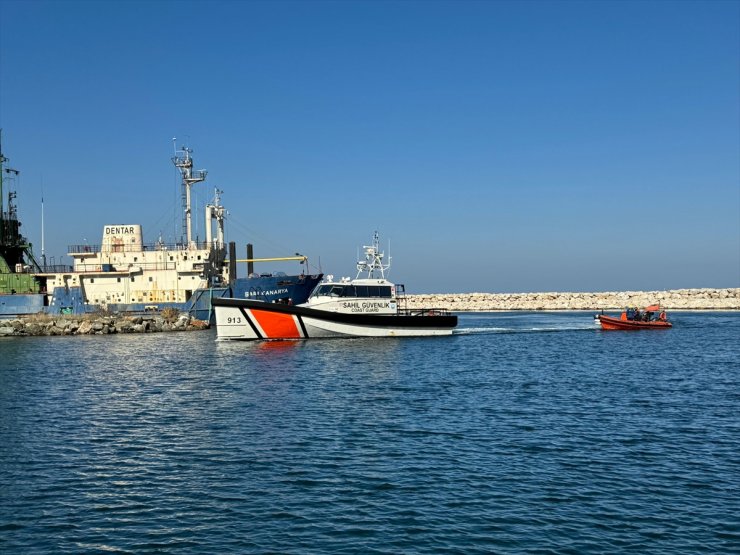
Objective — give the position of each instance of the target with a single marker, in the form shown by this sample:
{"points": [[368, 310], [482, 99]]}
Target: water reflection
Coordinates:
{"points": [[176, 442]]}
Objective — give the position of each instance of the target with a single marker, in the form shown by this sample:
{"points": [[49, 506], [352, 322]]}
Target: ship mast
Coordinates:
{"points": [[373, 260], [184, 163], [217, 212]]}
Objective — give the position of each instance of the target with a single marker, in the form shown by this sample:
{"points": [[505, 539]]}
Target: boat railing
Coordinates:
{"points": [[159, 246], [403, 310]]}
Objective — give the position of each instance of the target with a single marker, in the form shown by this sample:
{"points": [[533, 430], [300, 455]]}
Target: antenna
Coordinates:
{"points": [[43, 253]]}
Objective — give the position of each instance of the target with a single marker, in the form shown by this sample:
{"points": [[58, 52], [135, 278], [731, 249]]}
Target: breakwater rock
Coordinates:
{"points": [[97, 325], [676, 299]]}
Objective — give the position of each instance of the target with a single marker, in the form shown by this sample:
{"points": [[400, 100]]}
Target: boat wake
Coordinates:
{"points": [[539, 329]]}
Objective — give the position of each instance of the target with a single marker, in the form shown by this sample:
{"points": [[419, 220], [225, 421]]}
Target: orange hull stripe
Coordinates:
{"points": [[275, 325]]}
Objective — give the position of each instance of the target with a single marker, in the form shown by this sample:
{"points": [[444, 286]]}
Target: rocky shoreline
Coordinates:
{"points": [[676, 299], [98, 324]]}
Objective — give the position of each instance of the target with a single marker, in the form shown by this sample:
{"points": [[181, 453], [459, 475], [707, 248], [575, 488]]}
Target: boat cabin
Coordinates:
{"points": [[370, 296], [352, 290]]}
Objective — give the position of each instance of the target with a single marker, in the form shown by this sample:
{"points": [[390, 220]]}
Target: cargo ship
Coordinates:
{"points": [[123, 274]]}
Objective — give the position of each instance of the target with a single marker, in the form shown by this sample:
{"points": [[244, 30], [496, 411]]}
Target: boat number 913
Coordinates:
{"points": [[234, 320]]}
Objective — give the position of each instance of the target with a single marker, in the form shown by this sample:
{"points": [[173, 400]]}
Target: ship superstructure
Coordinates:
{"points": [[125, 274]]}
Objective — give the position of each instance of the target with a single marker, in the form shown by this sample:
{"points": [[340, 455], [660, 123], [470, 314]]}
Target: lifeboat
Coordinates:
{"points": [[651, 317]]}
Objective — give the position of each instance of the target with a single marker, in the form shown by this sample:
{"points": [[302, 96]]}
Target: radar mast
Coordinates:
{"points": [[373, 260], [184, 163]]}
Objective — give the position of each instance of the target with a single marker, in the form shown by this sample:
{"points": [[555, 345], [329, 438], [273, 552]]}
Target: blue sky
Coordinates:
{"points": [[498, 146]]}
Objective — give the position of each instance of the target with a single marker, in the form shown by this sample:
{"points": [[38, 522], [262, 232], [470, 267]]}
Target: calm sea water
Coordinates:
{"points": [[523, 433]]}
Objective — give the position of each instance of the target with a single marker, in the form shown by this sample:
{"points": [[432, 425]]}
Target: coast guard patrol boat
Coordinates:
{"points": [[369, 306]]}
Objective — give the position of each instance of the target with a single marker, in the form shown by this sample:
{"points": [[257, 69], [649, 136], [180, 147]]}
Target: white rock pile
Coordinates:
{"points": [[97, 325], [676, 299]]}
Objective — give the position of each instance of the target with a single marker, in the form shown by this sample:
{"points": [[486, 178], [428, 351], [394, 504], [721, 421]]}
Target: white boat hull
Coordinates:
{"points": [[249, 320]]}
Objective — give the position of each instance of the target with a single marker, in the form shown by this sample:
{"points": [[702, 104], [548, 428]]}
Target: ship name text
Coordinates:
{"points": [[368, 306], [119, 229], [257, 294]]}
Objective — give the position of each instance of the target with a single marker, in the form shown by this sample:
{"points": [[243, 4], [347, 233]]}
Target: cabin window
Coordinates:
{"points": [[118, 280], [198, 257], [382, 291], [132, 278], [92, 280], [150, 278], [172, 258], [136, 258]]}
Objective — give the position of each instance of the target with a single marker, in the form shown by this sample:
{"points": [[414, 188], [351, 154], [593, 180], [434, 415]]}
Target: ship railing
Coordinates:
{"points": [[56, 268], [158, 246], [199, 266], [43, 269], [424, 312]]}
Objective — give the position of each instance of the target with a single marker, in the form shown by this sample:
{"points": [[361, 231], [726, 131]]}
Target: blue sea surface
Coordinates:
{"points": [[521, 433]]}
